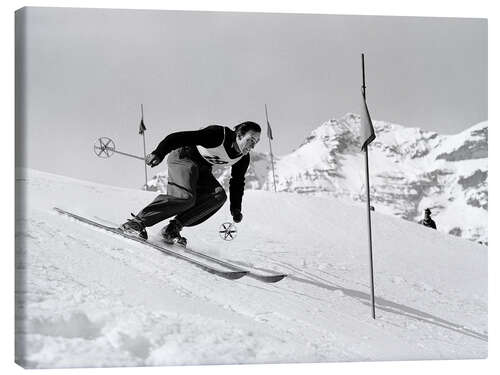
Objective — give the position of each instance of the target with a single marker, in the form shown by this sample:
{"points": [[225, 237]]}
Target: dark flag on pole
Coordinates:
{"points": [[270, 137], [269, 131], [367, 133], [142, 127]]}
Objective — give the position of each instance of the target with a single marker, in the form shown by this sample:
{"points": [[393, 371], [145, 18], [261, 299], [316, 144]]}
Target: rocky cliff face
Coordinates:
{"points": [[410, 170]]}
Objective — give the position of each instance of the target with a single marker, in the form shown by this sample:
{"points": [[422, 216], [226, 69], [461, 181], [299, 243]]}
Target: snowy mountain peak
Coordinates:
{"points": [[336, 132], [472, 143]]}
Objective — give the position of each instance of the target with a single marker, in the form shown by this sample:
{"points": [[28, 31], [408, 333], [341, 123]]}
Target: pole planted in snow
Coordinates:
{"points": [[368, 206]]}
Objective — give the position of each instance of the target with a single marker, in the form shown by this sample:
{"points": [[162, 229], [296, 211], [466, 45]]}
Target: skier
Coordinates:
{"points": [[427, 221], [193, 193]]}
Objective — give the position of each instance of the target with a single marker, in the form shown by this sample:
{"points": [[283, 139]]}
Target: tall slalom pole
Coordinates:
{"points": [[368, 206]]}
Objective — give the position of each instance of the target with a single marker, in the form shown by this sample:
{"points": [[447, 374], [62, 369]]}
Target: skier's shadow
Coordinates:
{"points": [[392, 307]]}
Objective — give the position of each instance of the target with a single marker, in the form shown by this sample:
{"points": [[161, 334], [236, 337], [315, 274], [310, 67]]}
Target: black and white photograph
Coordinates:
{"points": [[232, 188]]}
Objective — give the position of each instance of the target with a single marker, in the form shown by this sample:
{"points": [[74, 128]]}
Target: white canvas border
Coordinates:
{"points": [[480, 9]]}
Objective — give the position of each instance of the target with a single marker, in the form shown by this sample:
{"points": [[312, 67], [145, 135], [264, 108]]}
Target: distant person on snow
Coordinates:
{"points": [[193, 193], [427, 221]]}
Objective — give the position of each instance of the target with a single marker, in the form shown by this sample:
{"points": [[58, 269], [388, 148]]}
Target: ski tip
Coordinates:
{"points": [[61, 211], [275, 278], [236, 275]]}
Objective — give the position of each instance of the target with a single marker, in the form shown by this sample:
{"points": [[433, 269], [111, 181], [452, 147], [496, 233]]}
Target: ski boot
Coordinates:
{"points": [[171, 233], [134, 227]]}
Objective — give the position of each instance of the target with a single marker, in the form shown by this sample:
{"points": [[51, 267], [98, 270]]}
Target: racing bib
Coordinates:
{"points": [[217, 155]]}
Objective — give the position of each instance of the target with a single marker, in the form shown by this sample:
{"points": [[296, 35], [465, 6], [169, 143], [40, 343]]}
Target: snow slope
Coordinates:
{"points": [[86, 298]]}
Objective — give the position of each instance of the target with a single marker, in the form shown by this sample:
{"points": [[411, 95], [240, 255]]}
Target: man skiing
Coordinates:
{"points": [[193, 193], [427, 221]]}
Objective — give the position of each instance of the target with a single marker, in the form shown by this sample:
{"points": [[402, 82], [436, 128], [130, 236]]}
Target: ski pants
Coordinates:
{"points": [[193, 193]]}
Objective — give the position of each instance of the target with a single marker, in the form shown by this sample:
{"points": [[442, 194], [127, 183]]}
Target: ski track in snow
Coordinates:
{"points": [[85, 297]]}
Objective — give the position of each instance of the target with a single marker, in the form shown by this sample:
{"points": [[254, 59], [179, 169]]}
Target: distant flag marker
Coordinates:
{"points": [[367, 132], [269, 130], [270, 137], [142, 129]]}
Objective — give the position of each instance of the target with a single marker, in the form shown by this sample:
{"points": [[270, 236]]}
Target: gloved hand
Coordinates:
{"points": [[237, 215], [152, 160]]}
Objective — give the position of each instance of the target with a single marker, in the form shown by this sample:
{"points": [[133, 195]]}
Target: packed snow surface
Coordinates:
{"points": [[88, 298]]}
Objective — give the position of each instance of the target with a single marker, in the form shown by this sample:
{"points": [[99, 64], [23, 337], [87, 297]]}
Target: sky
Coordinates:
{"points": [[83, 74]]}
